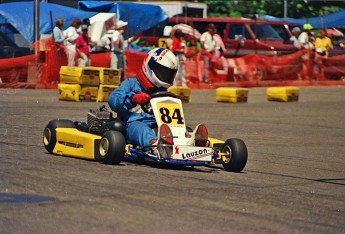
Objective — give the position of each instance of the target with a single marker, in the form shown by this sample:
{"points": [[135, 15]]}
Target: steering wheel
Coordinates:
{"points": [[147, 108]]}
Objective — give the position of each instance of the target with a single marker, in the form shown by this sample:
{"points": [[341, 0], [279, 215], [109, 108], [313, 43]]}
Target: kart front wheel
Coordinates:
{"points": [[112, 147], [49, 133], [235, 155]]}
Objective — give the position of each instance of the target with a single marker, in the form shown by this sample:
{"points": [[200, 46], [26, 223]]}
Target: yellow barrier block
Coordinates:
{"points": [[88, 93], [184, 93], [91, 76], [70, 75], [69, 92], [283, 94], [76, 92], [104, 91], [110, 76], [232, 95]]}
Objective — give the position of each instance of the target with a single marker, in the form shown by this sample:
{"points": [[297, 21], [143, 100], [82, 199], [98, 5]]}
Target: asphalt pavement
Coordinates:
{"points": [[294, 181]]}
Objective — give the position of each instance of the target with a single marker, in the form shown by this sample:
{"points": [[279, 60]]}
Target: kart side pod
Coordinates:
{"points": [[72, 142], [61, 137]]}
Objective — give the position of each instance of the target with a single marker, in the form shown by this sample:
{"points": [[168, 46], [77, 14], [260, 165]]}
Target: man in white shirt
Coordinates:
{"points": [[117, 59], [306, 38], [209, 44], [294, 37]]}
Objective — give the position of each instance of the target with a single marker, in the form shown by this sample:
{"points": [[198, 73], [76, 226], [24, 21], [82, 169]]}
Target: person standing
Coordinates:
{"points": [[58, 53], [220, 46], [178, 50], [117, 58], [323, 44], [72, 35], [82, 45], [58, 35], [306, 38], [306, 41], [209, 44], [220, 51], [294, 38]]}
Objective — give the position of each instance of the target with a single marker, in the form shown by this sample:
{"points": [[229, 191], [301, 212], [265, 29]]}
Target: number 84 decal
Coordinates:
{"points": [[170, 114]]}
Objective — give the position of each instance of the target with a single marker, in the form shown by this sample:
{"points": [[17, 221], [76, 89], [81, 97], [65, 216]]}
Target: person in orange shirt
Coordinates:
{"points": [[323, 44]]}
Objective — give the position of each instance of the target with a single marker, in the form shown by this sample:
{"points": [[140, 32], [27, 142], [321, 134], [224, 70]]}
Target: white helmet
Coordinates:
{"points": [[160, 67]]}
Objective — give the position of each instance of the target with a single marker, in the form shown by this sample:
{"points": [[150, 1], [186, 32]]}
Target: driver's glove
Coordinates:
{"points": [[141, 98]]}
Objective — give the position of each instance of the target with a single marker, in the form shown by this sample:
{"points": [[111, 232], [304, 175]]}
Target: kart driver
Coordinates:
{"points": [[157, 73]]}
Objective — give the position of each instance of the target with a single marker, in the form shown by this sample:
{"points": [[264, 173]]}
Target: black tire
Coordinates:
{"points": [[112, 147], [237, 157], [49, 133]]}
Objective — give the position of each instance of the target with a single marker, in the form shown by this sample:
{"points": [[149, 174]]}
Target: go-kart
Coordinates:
{"points": [[102, 138]]}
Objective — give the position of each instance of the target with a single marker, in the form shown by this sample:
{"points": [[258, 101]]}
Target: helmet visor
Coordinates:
{"points": [[164, 74]]}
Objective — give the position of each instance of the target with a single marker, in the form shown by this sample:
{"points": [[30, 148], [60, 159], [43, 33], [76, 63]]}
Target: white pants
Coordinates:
{"points": [[71, 52], [117, 60], [83, 60]]}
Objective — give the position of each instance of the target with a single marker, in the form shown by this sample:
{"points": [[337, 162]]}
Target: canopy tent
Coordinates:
{"points": [[331, 20], [21, 16], [140, 17]]}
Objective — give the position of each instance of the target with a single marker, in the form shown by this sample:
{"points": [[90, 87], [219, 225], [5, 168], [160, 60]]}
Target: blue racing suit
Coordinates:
{"points": [[138, 123]]}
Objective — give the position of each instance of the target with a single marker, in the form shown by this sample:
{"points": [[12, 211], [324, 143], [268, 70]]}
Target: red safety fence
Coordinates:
{"points": [[300, 68], [14, 70], [334, 67]]}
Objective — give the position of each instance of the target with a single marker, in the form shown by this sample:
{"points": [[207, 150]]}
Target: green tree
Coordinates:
{"points": [[295, 8]]}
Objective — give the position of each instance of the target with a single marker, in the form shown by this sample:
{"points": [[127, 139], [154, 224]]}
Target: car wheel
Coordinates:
{"points": [[49, 133], [236, 155], [112, 147]]}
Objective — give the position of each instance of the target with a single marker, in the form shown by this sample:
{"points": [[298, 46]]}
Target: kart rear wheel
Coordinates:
{"points": [[49, 133], [112, 147], [236, 155]]}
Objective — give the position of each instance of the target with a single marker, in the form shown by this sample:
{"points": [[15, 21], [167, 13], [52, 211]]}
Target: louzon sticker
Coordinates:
{"points": [[170, 113], [194, 154]]}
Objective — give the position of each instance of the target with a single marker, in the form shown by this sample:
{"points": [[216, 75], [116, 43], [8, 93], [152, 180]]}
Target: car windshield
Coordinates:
{"points": [[338, 39], [282, 32], [4, 41], [265, 31]]}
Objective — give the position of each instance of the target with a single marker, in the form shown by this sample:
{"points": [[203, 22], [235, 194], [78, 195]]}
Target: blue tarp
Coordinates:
{"points": [[21, 16], [327, 21], [139, 16]]}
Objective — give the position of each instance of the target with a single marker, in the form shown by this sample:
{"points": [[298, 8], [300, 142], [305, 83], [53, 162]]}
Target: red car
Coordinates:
{"points": [[241, 36]]}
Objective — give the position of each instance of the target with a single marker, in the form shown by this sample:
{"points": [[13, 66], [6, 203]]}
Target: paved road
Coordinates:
{"points": [[294, 181]]}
